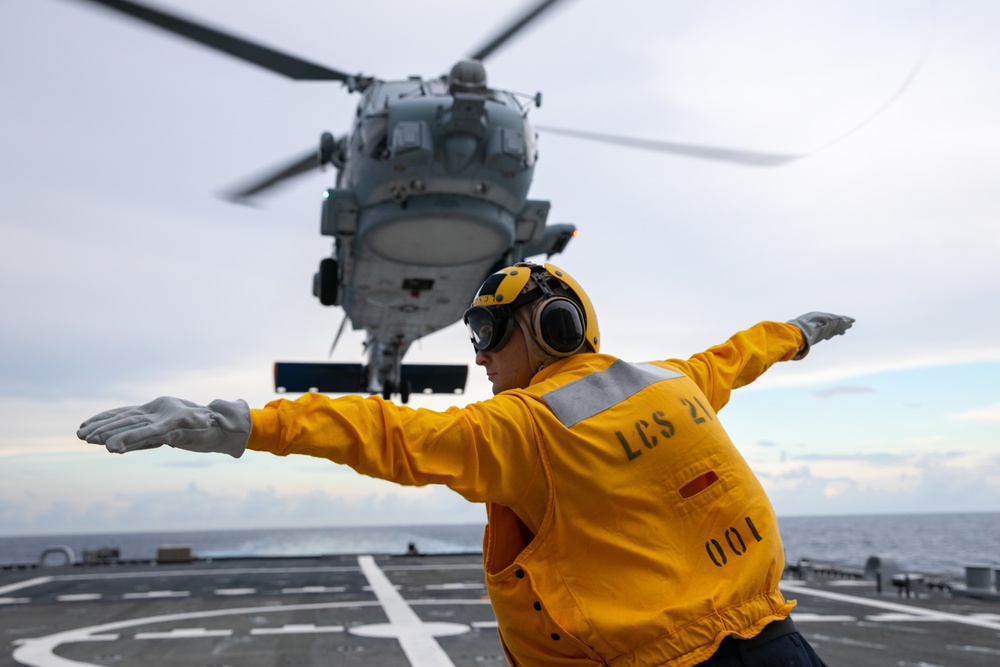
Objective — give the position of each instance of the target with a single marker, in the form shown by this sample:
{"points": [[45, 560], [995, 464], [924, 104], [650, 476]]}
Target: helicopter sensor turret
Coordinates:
{"points": [[467, 76]]}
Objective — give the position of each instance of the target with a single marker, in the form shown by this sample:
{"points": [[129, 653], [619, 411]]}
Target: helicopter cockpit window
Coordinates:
{"points": [[379, 100], [436, 87], [374, 134], [504, 98]]}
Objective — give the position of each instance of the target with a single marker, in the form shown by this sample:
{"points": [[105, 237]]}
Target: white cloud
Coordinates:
{"points": [[884, 484], [987, 414], [844, 389]]}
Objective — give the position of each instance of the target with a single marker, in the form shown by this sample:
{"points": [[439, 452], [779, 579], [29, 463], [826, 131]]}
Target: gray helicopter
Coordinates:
{"points": [[431, 196]]}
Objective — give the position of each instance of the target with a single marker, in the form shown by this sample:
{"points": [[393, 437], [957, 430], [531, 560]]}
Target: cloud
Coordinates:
{"points": [[884, 483], [845, 389], [864, 458], [988, 414], [836, 488]]}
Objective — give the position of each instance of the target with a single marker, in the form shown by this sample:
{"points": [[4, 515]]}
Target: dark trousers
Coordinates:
{"points": [[778, 645]]}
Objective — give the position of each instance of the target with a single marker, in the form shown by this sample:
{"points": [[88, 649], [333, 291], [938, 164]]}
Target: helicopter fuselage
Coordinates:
{"points": [[432, 196]]}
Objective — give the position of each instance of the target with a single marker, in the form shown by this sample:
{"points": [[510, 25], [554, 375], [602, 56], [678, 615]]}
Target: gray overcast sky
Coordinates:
{"points": [[125, 277]]}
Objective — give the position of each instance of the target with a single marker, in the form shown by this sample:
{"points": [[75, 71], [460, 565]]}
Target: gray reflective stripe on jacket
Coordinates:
{"points": [[592, 394]]}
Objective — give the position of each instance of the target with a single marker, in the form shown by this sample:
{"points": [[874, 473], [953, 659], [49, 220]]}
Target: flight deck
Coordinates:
{"points": [[419, 611]]}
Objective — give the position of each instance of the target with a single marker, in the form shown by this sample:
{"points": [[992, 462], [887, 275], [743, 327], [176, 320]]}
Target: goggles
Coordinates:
{"points": [[489, 328]]}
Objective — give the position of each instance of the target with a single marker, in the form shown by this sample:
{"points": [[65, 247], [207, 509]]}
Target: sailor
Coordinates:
{"points": [[624, 527]]}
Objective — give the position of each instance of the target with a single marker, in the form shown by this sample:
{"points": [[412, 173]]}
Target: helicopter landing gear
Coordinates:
{"points": [[404, 391], [326, 283]]}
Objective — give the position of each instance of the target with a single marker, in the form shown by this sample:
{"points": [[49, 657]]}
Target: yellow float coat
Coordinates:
{"points": [[624, 528]]}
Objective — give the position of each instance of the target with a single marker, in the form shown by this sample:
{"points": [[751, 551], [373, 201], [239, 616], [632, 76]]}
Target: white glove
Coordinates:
{"points": [[222, 427], [818, 327]]}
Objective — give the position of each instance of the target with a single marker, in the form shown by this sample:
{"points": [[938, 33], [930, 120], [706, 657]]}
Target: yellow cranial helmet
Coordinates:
{"points": [[562, 319]]}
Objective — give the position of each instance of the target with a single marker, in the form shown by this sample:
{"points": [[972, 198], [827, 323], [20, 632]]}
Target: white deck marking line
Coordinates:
{"points": [[415, 637], [484, 625], [986, 650], [154, 595], [79, 597], [15, 600], [297, 629], [852, 583], [820, 618], [893, 617], [235, 591], [313, 589], [892, 606], [9, 588], [183, 633], [988, 617]]}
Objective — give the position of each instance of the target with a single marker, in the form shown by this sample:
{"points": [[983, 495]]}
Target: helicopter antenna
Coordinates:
{"points": [[336, 338], [536, 99]]}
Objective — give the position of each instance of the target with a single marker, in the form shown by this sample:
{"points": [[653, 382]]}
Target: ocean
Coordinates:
{"points": [[929, 543]]}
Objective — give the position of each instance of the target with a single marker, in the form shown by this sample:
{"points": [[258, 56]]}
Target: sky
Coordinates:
{"points": [[126, 277]]}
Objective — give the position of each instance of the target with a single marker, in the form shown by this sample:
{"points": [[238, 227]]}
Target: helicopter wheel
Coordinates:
{"points": [[387, 391], [404, 392], [329, 292]]}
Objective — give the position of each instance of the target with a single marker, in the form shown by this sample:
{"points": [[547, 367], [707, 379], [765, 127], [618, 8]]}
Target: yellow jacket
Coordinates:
{"points": [[624, 527]]}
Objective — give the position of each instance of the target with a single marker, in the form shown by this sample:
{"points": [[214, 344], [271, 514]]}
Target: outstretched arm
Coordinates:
{"points": [[746, 355], [471, 450]]}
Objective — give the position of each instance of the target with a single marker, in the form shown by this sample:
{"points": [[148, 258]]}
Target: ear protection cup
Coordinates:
{"points": [[555, 323], [559, 326]]}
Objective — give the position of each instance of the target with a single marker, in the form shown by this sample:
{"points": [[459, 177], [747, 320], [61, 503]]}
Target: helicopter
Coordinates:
{"points": [[431, 196]]}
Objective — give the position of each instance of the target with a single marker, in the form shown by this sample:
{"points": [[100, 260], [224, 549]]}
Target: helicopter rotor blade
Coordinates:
{"points": [[268, 58], [736, 156], [499, 40], [242, 194]]}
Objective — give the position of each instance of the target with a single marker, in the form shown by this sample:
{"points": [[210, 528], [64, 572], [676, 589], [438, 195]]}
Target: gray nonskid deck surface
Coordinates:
{"points": [[423, 611]]}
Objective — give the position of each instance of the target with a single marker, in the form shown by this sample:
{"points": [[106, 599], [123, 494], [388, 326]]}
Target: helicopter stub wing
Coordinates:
{"points": [[341, 378]]}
